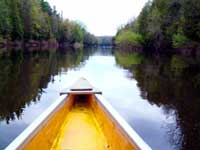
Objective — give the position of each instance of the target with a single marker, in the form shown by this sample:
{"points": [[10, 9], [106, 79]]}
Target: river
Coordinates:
{"points": [[158, 97]]}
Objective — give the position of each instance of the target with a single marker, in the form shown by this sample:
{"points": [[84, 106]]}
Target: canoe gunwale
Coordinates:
{"points": [[82, 87], [37, 124], [128, 130]]}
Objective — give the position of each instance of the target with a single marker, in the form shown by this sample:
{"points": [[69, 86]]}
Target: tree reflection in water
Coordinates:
{"points": [[172, 83], [24, 77]]}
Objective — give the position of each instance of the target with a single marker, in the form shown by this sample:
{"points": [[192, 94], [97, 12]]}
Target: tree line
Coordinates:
{"points": [[163, 24], [37, 20]]}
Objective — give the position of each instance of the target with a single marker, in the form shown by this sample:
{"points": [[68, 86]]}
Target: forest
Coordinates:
{"points": [[37, 20], [163, 25]]}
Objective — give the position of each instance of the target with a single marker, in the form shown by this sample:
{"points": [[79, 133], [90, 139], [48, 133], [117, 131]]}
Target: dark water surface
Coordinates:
{"points": [[159, 97]]}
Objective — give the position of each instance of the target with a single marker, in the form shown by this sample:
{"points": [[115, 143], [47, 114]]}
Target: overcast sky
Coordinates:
{"points": [[101, 17]]}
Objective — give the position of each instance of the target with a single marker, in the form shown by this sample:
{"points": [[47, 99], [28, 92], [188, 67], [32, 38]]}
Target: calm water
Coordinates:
{"points": [[158, 97]]}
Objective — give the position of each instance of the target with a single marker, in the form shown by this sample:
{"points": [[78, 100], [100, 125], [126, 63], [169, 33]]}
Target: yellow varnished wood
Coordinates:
{"points": [[81, 123], [81, 131], [117, 139], [44, 138]]}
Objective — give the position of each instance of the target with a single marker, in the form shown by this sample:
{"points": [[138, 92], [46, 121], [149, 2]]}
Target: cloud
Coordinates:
{"points": [[102, 17]]}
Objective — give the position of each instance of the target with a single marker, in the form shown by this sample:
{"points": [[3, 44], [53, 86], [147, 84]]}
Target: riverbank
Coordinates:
{"points": [[17, 45], [34, 45], [164, 26], [193, 51]]}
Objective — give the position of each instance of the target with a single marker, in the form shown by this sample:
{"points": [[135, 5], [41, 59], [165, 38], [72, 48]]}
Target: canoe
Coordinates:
{"points": [[80, 119]]}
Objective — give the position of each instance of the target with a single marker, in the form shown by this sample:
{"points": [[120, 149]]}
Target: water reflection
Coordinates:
{"points": [[23, 77], [157, 96], [173, 84]]}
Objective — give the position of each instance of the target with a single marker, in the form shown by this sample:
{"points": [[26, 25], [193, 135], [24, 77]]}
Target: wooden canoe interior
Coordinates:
{"points": [[79, 123]]}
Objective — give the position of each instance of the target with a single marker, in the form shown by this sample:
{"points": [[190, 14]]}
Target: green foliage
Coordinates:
{"points": [[89, 39], [17, 28], [35, 19], [77, 34], [191, 14], [129, 38], [161, 21], [179, 40], [143, 19], [46, 7], [5, 26]]}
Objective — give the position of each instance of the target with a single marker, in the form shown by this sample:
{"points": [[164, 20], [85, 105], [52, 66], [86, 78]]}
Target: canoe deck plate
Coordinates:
{"points": [[81, 86]]}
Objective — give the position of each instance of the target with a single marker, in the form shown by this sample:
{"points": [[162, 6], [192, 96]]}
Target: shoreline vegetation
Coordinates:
{"points": [[41, 45], [163, 26], [45, 45], [34, 22]]}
